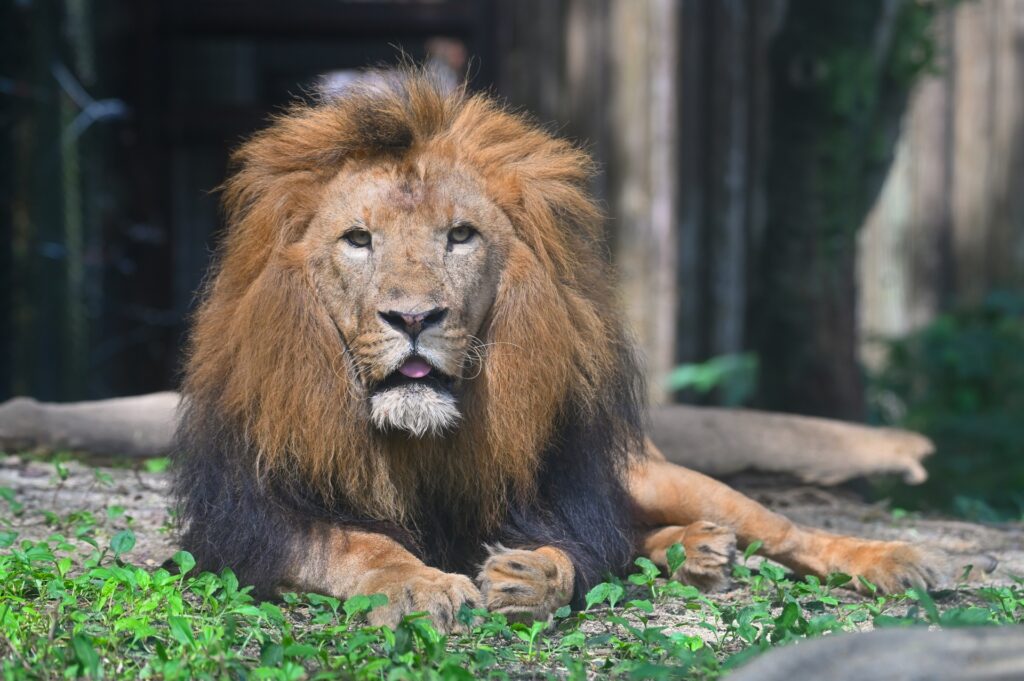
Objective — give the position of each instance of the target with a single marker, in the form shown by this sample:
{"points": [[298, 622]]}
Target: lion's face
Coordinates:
{"points": [[407, 258]]}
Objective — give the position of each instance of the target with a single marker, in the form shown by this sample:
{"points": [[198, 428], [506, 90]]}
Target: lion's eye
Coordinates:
{"points": [[359, 238], [460, 234]]}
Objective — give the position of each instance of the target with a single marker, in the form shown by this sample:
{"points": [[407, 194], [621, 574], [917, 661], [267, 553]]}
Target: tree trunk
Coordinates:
{"points": [[840, 76]]}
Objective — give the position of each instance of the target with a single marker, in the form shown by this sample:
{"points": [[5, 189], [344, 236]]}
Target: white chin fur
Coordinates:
{"points": [[416, 409]]}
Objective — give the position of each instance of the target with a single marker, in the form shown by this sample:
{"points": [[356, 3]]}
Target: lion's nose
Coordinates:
{"points": [[413, 323]]}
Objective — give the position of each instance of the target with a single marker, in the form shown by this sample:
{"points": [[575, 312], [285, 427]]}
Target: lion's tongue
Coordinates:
{"points": [[414, 367]]}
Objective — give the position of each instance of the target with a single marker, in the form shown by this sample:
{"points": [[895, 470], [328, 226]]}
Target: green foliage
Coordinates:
{"points": [[913, 50], [734, 376], [74, 606], [960, 381], [157, 465]]}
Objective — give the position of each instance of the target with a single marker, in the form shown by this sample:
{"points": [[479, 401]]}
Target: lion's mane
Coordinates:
{"points": [[275, 436]]}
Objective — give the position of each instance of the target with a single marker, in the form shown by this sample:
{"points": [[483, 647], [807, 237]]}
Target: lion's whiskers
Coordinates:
{"points": [[477, 342], [474, 355]]}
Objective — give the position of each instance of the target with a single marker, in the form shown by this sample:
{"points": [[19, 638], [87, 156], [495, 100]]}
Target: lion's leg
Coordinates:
{"points": [[527, 585], [667, 494], [344, 563]]}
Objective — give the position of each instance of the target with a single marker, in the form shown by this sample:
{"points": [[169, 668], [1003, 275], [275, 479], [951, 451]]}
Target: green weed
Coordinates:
{"points": [[73, 605]]}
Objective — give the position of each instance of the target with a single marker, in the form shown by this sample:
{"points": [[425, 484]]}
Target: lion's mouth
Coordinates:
{"points": [[415, 367], [416, 371], [415, 398]]}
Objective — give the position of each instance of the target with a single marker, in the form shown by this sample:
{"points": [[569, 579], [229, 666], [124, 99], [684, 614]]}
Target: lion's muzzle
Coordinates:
{"points": [[416, 399]]}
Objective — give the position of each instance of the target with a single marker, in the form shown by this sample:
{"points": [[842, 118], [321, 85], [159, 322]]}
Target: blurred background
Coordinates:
{"points": [[815, 206]]}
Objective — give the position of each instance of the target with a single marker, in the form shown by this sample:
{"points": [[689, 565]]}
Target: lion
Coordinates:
{"points": [[408, 376]]}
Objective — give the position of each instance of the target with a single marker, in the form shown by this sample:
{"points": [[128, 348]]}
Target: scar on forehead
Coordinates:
{"points": [[407, 193], [410, 188]]}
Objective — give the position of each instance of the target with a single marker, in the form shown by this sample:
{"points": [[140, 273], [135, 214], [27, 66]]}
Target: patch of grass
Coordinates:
{"points": [[72, 605]]}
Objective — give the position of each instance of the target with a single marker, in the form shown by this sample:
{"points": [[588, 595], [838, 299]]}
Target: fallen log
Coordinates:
{"points": [[723, 442], [138, 426], [718, 442]]}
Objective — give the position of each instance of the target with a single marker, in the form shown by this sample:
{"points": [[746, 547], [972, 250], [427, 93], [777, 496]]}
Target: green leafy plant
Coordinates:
{"points": [[733, 376], [73, 605], [960, 380]]}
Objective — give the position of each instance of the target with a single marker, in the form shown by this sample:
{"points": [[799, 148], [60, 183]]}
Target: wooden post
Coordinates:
{"points": [[949, 224], [644, 168]]}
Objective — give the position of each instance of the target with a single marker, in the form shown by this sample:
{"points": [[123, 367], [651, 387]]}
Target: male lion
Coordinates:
{"points": [[408, 369]]}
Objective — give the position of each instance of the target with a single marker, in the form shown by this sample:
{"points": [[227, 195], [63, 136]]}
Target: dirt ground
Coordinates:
{"points": [[36, 485]]}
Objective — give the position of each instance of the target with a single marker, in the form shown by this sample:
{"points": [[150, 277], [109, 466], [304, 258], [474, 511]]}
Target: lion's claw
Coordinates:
{"points": [[522, 585], [891, 566], [440, 594], [710, 550]]}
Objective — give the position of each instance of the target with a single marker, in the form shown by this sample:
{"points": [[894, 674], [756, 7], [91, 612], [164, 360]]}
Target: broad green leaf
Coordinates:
{"points": [[606, 591], [86, 654], [123, 542], [649, 569], [158, 465], [180, 630], [675, 556], [644, 605], [837, 579], [7, 538], [184, 561]]}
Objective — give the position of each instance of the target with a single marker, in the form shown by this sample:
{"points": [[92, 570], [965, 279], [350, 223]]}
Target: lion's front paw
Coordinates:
{"points": [[525, 585], [424, 589], [890, 565], [710, 550]]}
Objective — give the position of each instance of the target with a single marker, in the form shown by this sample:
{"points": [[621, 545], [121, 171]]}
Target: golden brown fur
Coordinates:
{"points": [[283, 474], [288, 383]]}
